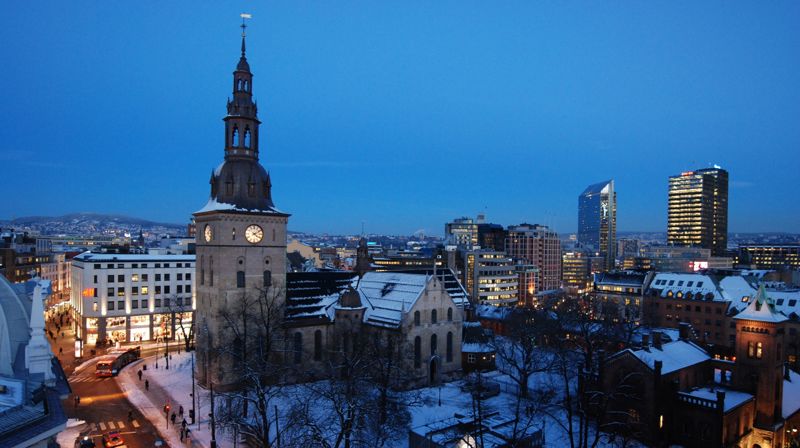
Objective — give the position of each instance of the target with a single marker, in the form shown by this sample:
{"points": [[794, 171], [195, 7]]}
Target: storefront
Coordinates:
{"points": [[140, 328], [183, 325], [92, 326], [162, 326], [116, 330]]}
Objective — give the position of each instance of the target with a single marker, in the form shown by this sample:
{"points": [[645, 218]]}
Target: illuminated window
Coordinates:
{"points": [[121, 292], [144, 290], [135, 277]]}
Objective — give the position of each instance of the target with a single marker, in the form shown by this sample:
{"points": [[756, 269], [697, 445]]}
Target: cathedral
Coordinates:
{"points": [[241, 267]]}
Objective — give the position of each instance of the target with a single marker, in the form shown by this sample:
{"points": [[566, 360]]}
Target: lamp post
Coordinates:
{"points": [[193, 411], [213, 422]]}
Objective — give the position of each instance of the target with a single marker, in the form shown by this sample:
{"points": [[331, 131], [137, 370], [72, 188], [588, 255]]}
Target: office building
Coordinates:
{"points": [[491, 278], [132, 297], [491, 236], [597, 220], [770, 256], [462, 232], [575, 271], [537, 245], [698, 210]]}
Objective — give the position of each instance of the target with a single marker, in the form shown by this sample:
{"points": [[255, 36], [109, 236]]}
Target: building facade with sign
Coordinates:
{"points": [[132, 298]]}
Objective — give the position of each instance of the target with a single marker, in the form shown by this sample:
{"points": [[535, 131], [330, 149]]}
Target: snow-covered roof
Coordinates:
{"points": [[733, 398], [791, 395], [694, 286], [674, 356], [100, 257], [389, 295], [761, 309], [214, 206]]}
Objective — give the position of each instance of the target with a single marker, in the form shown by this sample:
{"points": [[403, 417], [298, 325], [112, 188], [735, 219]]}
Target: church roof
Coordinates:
{"points": [[674, 356], [761, 309]]}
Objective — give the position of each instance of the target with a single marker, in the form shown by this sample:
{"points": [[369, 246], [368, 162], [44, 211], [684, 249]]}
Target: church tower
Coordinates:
{"points": [[759, 361], [241, 238]]}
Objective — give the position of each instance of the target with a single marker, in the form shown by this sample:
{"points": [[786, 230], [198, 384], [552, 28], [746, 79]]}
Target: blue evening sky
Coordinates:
{"points": [[403, 114]]}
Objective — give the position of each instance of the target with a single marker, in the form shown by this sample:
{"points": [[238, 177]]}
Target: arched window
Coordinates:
{"points": [[245, 85], [417, 352], [235, 136], [298, 347], [317, 345], [449, 355], [433, 316], [202, 269], [416, 318], [240, 279], [449, 314], [211, 271], [233, 235], [434, 344], [267, 279], [238, 84], [247, 137]]}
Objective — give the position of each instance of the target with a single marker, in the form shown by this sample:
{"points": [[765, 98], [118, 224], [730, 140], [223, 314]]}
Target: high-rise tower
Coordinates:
{"points": [[597, 220], [698, 209], [241, 236]]}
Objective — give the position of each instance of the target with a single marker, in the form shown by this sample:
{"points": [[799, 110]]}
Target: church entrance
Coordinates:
{"points": [[433, 377]]}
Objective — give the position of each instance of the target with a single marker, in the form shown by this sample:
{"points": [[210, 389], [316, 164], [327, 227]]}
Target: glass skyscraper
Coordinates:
{"points": [[698, 209], [597, 220]]}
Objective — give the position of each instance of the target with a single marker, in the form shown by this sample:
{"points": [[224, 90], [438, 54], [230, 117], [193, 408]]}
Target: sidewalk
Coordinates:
{"points": [[168, 386]]}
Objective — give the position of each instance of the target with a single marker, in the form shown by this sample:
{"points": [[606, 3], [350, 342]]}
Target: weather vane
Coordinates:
{"points": [[244, 17]]}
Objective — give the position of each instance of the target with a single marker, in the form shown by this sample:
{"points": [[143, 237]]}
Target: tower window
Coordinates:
{"points": [[267, 279], [433, 316], [417, 352], [247, 137], [416, 318], [318, 345], [449, 352], [240, 279], [434, 344], [235, 136], [298, 347]]}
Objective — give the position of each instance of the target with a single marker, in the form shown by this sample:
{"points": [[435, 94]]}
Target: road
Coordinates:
{"points": [[102, 406]]}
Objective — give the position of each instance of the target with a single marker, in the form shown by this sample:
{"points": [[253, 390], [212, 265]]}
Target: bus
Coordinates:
{"points": [[111, 364]]}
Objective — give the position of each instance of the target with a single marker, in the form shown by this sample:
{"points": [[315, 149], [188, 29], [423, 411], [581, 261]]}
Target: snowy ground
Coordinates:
{"points": [[175, 385]]}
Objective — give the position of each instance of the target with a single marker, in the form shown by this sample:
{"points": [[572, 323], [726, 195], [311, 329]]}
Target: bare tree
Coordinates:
{"points": [[521, 354], [178, 306], [253, 342], [360, 401]]}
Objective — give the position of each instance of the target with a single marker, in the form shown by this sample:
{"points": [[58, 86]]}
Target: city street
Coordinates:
{"points": [[102, 406]]}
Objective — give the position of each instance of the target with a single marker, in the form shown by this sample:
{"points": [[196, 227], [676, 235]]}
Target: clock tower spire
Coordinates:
{"points": [[241, 243]]}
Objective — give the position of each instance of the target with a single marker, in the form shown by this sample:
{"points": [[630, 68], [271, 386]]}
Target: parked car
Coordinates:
{"points": [[112, 439], [85, 442]]}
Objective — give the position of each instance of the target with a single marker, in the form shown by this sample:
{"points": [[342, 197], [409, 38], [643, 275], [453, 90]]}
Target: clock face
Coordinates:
{"points": [[207, 233], [253, 233]]}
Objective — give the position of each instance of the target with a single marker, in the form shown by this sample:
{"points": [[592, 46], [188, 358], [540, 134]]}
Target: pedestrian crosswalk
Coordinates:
{"points": [[116, 424], [85, 379]]}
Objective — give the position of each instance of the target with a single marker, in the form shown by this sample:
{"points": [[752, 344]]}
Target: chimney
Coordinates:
{"points": [[721, 400], [683, 331], [657, 339], [646, 341]]}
